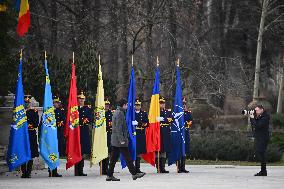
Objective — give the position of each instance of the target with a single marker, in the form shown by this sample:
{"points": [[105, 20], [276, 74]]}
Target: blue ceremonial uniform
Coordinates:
{"points": [[60, 123], [33, 122], [165, 130], [86, 117], [187, 124], [108, 115], [142, 118]]}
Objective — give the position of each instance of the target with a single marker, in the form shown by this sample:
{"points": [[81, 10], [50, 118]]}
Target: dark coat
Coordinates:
{"points": [[86, 119], [109, 114], [142, 118], [33, 123], [260, 127], [60, 122], [119, 129], [187, 125], [165, 130]]}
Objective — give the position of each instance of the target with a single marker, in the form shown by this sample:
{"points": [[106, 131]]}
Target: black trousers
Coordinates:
{"points": [[261, 156], [114, 158], [26, 168]]}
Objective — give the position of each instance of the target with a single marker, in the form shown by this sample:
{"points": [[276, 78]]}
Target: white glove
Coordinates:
{"points": [[251, 114], [134, 123], [160, 119]]}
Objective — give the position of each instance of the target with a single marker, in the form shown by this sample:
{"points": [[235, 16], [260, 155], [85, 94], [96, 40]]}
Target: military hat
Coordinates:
{"points": [[81, 95], [137, 102], [56, 99], [162, 100], [28, 98], [107, 102]]}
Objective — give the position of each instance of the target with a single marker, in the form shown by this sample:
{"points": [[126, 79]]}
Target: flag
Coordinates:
{"points": [[130, 117], [99, 135], [24, 17], [177, 127], [48, 139], [153, 131], [19, 151], [72, 129]]}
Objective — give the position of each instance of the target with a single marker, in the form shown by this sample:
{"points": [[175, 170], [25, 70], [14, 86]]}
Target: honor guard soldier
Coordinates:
{"points": [[142, 122], [33, 123], [86, 117], [187, 125], [166, 120], [108, 115], [60, 122]]}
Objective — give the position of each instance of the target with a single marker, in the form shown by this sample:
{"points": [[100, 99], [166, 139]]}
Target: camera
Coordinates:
{"points": [[248, 112]]}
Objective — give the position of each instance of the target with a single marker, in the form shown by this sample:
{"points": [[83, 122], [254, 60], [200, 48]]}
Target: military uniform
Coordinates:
{"points": [[33, 123], [142, 123], [108, 115], [86, 117], [60, 123]]}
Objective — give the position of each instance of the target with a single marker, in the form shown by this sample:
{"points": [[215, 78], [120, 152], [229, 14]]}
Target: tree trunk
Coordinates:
{"points": [[259, 49], [280, 93]]}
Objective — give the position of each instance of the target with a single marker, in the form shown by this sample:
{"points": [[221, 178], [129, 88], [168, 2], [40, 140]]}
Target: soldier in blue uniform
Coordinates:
{"points": [[141, 117], [33, 123], [187, 125], [166, 119], [60, 123], [86, 117], [108, 115]]}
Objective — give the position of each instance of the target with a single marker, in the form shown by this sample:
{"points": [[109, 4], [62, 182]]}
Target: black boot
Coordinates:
{"points": [[157, 165], [105, 163], [24, 170], [179, 167], [137, 165], [55, 173], [81, 168], [162, 165], [263, 171], [182, 166], [76, 169], [112, 178], [29, 168]]}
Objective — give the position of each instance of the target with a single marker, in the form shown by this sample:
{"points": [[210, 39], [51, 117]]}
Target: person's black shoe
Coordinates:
{"points": [[138, 171], [57, 175], [261, 173], [164, 171], [184, 171], [83, 174], [28, 176], [24, 176], [112, 178], [138, 175]]}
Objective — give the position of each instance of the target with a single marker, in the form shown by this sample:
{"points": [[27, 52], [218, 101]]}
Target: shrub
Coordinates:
{"points": [[278, 120]]}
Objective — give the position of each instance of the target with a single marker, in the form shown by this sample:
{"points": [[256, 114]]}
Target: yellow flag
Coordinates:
{"points": [[99, 134]]}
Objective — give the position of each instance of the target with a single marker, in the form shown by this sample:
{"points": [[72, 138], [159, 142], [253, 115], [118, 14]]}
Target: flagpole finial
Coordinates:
{"points": [[99, 59], [158, 62], [73, 58], [132, 60], [21, 54], [178, 61], [45, 56]]}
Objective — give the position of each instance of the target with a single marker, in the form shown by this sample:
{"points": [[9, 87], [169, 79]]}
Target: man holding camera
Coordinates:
{"points": [[259, 119]]}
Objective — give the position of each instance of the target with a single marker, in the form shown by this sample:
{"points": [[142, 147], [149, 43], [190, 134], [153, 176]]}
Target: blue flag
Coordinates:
{"points": [[130, 116], [48, 139], [177, 127], [19, 151]]}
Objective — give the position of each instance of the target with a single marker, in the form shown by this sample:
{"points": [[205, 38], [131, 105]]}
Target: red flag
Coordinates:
{"points": [[72, 129], [24, 21], [153, 131]]}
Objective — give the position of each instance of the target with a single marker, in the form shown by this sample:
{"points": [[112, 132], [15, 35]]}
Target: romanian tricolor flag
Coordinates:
{"points": [[24, 20], [72, 130], [153, 131]]}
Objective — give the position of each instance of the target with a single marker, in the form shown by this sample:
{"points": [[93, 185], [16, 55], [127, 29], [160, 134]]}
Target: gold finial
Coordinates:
{"points": [[73, 58], [158, 62], [45, 56], [132, 60], [178, 62], [21, 54]]}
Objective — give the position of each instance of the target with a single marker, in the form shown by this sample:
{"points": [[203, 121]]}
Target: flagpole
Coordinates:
{"points": [[73, 58], [101, 162], [132, 60], [21, 54], [178, 61], [158, 163]]}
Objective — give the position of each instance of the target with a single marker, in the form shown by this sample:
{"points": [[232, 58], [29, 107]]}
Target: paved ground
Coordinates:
{"points": [[200, 176]]}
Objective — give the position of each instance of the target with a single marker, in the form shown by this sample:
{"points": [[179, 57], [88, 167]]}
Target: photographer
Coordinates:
{"points": [[259, 119]]}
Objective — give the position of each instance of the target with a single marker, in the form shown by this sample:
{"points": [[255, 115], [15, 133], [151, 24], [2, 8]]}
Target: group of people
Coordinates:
{"points": [[117, 135]]}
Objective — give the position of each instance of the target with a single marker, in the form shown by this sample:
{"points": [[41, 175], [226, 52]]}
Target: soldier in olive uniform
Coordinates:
{"points": [[108, 115], [86, 117], [187, 125], [33, 122], [142, 118], [166, 119]]}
